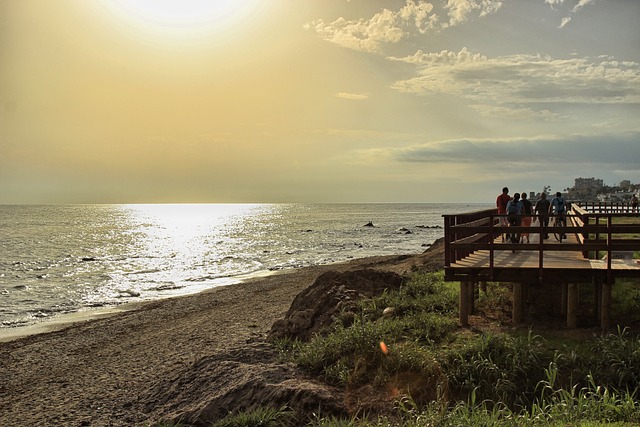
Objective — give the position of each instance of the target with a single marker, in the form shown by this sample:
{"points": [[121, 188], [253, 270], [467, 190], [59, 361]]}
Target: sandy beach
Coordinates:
{"points": [[119, 370]]}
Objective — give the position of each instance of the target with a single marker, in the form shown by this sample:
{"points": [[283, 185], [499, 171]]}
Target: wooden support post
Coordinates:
{"points": [[465, 291], [572, 305], [475, 295], [470, 303], [597, 298], [563, 303], [605, 307], [517, 302]]}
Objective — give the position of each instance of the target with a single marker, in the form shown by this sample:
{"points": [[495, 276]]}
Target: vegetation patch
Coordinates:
{"points": [[402, 360]]}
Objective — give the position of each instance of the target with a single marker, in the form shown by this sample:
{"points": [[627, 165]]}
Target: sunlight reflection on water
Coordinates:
{"points": [[192, 242], [64, 258]]}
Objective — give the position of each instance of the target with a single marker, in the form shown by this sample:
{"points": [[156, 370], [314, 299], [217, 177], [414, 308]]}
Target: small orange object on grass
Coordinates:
{"points": [[383, 347]]}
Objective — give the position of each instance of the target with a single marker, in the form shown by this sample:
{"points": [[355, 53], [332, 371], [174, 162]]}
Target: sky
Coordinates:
{"points": [[258, 101]]}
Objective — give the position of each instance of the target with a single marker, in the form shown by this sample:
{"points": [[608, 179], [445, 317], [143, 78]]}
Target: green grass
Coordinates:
{"points": [[351, 355], [261, 417], [454, 377]]}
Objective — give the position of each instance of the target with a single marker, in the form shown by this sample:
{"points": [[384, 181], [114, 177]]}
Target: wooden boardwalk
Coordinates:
{"points": [[598, 249], [552, 259]]}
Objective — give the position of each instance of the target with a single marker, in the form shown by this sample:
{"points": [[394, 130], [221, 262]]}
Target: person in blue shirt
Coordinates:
{"points": [[557, 205], [559, 208], [514, 215]]}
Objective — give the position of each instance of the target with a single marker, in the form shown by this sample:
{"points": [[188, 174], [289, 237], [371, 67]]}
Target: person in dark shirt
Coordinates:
{"points": [[542, 210], [526, 215], [501, 204]]}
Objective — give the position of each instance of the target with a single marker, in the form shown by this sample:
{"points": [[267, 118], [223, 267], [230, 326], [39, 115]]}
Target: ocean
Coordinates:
{"points": [[60, 259]]}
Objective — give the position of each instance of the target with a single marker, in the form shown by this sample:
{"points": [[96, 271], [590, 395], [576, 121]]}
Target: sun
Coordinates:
{"points": [[183, 16]]}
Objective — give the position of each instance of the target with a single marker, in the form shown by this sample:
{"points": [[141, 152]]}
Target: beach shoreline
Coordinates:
{"points": [[62, 321], [65, 320], [100, 372]]}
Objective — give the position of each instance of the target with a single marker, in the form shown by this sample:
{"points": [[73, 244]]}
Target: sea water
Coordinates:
{"points": [[57, 259]]}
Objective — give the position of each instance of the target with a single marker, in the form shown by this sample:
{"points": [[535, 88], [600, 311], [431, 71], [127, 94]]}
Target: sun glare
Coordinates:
{"points": [[183, 16]]}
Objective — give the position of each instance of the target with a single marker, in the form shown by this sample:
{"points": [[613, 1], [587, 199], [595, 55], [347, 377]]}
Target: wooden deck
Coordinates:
{"points": [[529, 259], [598, 249]]}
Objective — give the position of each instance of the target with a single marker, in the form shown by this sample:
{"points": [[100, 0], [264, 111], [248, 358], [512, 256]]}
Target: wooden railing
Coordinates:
{"points": [[598, 229], [463, 232], [606, 207]]}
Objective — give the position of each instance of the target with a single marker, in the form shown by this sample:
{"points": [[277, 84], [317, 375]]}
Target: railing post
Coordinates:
{"points": [[447, 241], [609, 248], [541, 249], [455, 253], [597, 235], [491, 244], [585, 235]]}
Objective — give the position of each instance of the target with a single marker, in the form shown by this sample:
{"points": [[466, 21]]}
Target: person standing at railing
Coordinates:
{"points": [[501, 203], [526, 215], [542, 211], [634, 203]]}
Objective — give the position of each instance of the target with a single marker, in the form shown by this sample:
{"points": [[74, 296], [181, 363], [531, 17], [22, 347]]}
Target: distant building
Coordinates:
{"points": [[588, 184], [625, 184]]}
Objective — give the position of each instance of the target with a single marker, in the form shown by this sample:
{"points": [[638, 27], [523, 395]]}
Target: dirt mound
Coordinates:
{"points": [[336, 292], [243, 379], [331, 294]]}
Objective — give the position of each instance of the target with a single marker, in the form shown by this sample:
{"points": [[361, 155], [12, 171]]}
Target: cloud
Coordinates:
{"points": [[511, 113], [387, 26], [564, 21], [444, 57], [418, 14], [576, 8], [362, 35], [605, 150], [554, 3], [353, 96], [580, 5], [460, 11], [522, 79]]}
